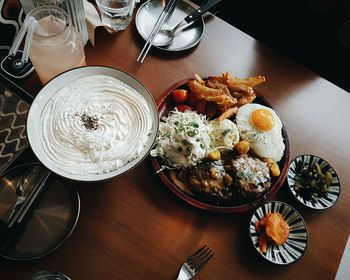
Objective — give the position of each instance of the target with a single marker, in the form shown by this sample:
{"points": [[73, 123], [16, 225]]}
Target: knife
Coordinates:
{"points": [[166, 36], [197, 13], [200, 11]]}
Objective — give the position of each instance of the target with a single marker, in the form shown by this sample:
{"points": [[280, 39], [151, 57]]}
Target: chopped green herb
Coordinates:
{"points": [[167, 134], [191, 133], [194, 124]]}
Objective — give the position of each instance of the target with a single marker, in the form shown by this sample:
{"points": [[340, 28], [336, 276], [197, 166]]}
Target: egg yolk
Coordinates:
{"points": [[263, 119]]}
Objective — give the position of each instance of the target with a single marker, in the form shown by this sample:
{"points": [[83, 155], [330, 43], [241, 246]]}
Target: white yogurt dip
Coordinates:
{"points": [[94, 125]]}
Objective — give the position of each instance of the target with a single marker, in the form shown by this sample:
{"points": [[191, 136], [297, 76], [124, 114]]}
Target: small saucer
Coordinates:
{"points": [[148, 14], [295, 245], [52, 220]]}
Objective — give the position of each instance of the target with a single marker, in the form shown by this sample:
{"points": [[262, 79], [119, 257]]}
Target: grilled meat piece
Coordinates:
{"points": [[251, 176], [210, 180], [233, 180]]}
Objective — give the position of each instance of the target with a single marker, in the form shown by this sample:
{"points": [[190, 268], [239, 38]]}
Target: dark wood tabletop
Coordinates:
{"points": [[133, 227]]}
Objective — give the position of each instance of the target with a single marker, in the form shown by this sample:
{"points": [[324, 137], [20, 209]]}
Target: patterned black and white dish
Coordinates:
{"points": [[295, 245], [13, 116], [318, 203]]}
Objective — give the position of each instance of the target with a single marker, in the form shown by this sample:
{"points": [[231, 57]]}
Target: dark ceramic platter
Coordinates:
{"points": [[164, 105]]}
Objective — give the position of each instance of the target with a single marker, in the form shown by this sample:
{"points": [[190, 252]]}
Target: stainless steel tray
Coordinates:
{"points": [[53, 218]]}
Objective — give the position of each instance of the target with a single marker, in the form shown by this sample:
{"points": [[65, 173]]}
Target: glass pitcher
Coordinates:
{"points": [[74, 8], [56, 44]]}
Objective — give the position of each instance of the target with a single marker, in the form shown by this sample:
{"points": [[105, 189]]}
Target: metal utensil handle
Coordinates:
{"points": [[29, 201], [166, 11], [12, 211], [155, 29], [41, 184], [202, 9]]}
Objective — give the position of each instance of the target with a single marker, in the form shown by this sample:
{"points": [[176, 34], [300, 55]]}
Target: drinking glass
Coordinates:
{"points": [[116, 14], [56, 45]]}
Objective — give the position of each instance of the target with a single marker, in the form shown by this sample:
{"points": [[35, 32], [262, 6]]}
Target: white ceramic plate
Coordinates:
{"points": [[36, 109], [295, 245]]}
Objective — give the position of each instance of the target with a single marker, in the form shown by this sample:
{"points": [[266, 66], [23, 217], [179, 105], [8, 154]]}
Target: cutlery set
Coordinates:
{"points": [[163, 37]]}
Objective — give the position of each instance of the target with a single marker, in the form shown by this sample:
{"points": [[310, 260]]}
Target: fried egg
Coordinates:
{"points": [[262, 128]]}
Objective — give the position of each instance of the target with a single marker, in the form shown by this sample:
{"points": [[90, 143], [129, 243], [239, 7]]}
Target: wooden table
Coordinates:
{"points": [[133, 227]]}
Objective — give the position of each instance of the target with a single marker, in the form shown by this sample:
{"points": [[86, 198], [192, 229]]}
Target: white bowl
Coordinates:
{"points": [[37, 110]]}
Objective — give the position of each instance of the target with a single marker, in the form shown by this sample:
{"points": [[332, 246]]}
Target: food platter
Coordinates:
{"points": [[165, 104], [124, 102], [148, 14]]}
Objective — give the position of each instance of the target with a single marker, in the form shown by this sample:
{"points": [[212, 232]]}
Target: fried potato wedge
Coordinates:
{"points": [[250, 82], [227, 114], [202, 90], [226, 91]]}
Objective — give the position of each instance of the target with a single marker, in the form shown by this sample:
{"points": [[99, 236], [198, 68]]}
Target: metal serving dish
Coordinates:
{"points": [[148, 14]]}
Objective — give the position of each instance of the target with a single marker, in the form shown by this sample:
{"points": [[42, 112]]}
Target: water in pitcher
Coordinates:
{"points": [[57, 46]]}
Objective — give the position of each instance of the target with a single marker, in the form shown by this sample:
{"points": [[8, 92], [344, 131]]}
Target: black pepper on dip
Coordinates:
{"points": [[90, 122]]}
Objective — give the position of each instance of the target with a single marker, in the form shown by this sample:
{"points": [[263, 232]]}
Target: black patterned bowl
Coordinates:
{"points": [[295, 245], [318, 203]]}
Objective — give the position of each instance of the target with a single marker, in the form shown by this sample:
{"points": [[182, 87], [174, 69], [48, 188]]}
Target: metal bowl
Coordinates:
{"points": [[54, 215], [148, 14], [37, 110]]}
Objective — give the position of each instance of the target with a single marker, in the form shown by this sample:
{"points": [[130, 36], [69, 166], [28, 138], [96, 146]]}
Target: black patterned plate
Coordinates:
{"points": [[13, 116], [295, 245], [333, 193]]}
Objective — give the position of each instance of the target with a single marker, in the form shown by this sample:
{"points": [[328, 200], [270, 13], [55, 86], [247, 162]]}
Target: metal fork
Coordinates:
{"points": [[195, 263]]}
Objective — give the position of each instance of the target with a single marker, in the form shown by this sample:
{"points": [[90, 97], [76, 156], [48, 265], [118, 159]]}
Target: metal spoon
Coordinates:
{"points": [[23, 189], [166, 36]]}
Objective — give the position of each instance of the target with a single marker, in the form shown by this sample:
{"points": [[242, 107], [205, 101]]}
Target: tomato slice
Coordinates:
{"points": [[183, 108], [180, 95]]}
